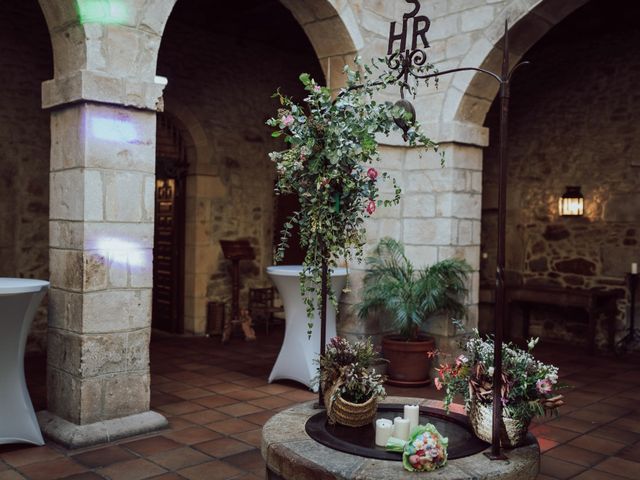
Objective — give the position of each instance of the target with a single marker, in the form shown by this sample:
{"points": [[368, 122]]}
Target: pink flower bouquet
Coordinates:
{"points": [[425, 451]]}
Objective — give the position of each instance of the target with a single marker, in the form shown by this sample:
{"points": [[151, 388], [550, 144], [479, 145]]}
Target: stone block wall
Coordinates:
{"points": [[25, 62], [574, 121], [220, 87]]}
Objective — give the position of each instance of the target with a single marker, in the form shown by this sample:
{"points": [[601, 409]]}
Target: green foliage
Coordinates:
{"points": [[328, 165], [410, 296]]}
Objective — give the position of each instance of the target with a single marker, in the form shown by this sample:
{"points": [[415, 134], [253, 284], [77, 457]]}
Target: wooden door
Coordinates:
{"points": [[168, 245]]}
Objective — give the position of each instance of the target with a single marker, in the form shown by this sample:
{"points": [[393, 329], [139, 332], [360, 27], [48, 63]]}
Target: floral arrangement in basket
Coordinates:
{"points": [[529, 387], [351, 385], [328, 164]]}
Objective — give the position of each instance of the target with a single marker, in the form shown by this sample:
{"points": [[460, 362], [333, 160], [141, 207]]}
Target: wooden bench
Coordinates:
{"points": [[594, 302]]}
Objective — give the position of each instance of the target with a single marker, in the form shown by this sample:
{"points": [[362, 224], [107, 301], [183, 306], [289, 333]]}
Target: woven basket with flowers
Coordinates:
{"points": [[350, 384]]}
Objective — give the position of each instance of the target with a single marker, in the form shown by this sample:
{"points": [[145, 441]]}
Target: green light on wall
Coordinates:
{"points": [[102, 11]]}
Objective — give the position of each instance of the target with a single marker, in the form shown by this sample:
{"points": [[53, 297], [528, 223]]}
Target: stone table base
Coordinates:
{"points": [[292, 455]]}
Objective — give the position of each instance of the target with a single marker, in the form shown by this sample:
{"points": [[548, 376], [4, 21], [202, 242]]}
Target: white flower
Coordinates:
{"points": [[490, 371], [532, 343]]}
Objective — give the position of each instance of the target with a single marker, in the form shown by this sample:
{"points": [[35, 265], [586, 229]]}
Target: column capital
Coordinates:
{"points": [[91, 86]]}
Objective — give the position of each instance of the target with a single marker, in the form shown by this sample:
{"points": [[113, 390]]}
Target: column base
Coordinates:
{"points": [[73, 436]]}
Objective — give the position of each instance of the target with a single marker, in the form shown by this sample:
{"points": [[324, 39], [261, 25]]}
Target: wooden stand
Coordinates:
{"points": [[236, 250]]}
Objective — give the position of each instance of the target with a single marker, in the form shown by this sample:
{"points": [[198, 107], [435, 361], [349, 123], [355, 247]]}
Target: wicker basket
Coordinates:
{"points": [[349, 414], [512, 434]]}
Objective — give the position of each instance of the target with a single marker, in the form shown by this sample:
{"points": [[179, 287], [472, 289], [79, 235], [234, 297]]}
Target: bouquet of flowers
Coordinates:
{"points": [[425, 451], [529, 387]]}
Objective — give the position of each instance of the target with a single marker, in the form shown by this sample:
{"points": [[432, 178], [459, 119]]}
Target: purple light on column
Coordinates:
{"points": [[122, 252], [119, 130]]}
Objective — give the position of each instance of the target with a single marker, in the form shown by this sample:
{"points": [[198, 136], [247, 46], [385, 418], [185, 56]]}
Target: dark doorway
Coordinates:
{"points": [[286, 205], [169, 228]]}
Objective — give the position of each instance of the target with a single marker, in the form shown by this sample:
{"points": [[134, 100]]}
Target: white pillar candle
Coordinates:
{"points": [[401, 428], [384, 429], [634, 267], [412, 413]]}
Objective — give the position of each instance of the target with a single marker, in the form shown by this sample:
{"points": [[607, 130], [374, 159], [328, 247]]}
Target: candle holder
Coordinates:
{"points": [[632, 337]]}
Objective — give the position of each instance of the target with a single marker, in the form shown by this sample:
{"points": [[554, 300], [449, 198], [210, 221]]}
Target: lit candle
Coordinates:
{"points": [[401, 428], [384, 429], [412, 413], [634, 268]]}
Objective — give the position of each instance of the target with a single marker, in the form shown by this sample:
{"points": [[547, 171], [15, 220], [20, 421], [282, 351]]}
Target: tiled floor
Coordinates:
{"points": [[217, 398]]}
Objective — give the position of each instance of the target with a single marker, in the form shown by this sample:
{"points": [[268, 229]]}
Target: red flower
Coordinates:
{"points": [[372, 173], [371, 207]]}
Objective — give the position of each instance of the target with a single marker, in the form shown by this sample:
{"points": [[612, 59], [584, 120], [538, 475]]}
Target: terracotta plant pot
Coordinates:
{"points": [[409, 365]]}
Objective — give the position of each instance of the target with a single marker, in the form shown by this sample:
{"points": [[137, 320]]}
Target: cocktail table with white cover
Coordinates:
{"points": [[296, 358], [19, 300]]}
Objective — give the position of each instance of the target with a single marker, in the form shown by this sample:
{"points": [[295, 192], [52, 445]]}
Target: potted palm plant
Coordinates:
{"points": [[407, 297]]}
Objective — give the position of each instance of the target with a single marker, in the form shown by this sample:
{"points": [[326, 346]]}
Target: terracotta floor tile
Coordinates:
{"points": [[103, 457], [167, 476], [305, 395], [621, 401], [252, 437], [132, 470], [192, 435], [215, 470], [178, 423], [275, 389], [597, 475], [621, 467], [259, 418], [214, 401], [597, 444], [247, 394], [181, 408], [545, 444], [171, 386], [269, 403], [179, 458], [85, 476], [627, 424], [251, 382], [630, 452], [232, 425], [10, 475], [559, 435], [223, 447], [616, 434], [251, 460], [3, 466], [222, 388], [25, 455], [573, 424], [577, 455], [203, 417], [51, 469], [192, 393], [559, 468], [592, 416], [239, 409], [152, 445]]}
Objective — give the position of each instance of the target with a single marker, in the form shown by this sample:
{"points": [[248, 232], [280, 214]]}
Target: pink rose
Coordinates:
{"points": [[287, 120], [316, 88], [371, 207], [372, 173], [437, 383]]}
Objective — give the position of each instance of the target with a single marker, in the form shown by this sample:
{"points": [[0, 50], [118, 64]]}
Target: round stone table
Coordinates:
{"points": [[295, 360], [19, 300], [291, 454]]}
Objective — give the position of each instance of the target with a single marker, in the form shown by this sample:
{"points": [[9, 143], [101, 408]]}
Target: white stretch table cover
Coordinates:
{"points": [[19, 300], [296, 358]]}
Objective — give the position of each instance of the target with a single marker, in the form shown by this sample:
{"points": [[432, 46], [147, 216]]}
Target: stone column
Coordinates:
{"points": [[101, 240]]}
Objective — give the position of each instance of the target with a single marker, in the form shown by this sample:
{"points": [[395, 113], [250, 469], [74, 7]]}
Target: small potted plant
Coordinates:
{"points": [[351, 386], [408, 297], [529, 387]]}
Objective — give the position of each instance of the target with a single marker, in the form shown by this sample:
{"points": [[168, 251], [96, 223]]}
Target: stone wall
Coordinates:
{"points": [[220, 87], [574, 121], [25, 62]]}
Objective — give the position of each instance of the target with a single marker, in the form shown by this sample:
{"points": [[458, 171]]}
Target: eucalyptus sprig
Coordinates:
{"points": [[329, 166]]}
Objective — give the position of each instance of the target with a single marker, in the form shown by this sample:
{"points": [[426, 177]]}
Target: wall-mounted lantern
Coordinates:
{"points": [[571, 204]]}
